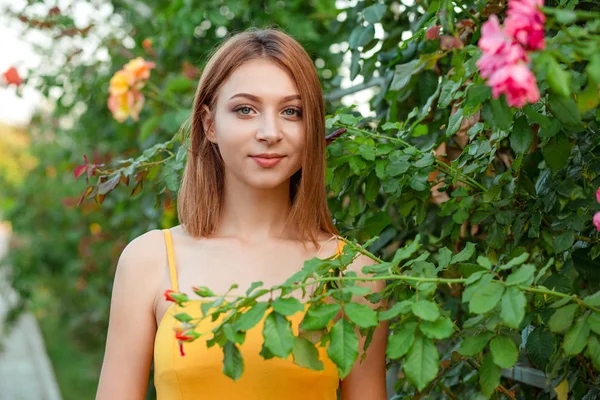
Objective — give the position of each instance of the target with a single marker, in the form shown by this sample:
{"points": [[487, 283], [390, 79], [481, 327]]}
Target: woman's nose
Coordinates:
{"points": [[269, 129]]}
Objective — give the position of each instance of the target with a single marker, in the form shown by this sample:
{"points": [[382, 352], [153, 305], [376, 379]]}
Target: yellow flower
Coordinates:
{"points": [[140, 68], [128, 104], [121, 82]]}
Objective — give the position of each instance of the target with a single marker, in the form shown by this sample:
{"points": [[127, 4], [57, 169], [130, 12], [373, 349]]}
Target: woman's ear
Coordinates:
{"points": [[208, 123]]}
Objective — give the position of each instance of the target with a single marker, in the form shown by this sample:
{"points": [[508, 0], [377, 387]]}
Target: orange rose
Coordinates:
{"points": [[121, 82], [128, 104], [140, 68]]}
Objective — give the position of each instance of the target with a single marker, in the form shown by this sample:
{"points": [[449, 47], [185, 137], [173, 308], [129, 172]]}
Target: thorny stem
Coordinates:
{"points": [[407, 278]]}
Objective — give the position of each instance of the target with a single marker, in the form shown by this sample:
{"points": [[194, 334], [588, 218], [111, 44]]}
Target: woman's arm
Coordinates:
{"points": [[367, 379], [132, 324]]}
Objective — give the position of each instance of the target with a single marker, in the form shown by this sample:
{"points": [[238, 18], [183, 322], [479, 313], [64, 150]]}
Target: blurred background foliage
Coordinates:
{"points": [[528, 175]]}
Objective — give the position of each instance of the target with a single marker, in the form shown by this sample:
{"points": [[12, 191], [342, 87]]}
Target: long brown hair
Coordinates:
{"points": [[199, 199]]}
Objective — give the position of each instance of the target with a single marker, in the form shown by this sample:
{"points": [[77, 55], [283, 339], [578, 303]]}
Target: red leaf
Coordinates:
{"points": [[79, 170]]}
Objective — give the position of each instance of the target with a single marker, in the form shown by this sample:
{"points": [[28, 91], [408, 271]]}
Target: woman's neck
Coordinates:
{"points": [[254, 214]]}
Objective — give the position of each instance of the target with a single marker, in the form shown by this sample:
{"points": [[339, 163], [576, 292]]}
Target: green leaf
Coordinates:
{"points": [[422, 362], [558, 79], [397, 167], [523, 275], [593, 350], [576, 338], [444, 257], [504, 351], [465, 254], [593, 68], [343, 348], [454, 122], [233, 363], [521, 136], [564, 241], [449, 89], [361, 314], [306, 355], [477, 94], [183, 317], [426, 310], [404, 72], [594, 322], [501, 114], [440, 329], [406, 252], [361, 35], [473, 345], [253, 286], [515, 261], [489, 376], [419, 182], [486, 298], [374, 13], [513, 307], [251, 317], [287, 306], [592, 300], [399, 342], [565, 110], [484, 262], [401, 307], [279, 338], [367, 151], [319, 315], [556, 152], [562, 318], [540, 346]]}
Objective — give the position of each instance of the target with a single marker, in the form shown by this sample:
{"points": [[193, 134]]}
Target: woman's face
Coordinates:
{"points": [[258, 111]]}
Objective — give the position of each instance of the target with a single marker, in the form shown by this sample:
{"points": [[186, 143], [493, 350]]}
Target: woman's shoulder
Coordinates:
{"points": [[142, 254]]}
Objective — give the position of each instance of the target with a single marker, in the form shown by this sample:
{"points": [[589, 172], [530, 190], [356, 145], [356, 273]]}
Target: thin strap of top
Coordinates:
{"points": [[171, 257]]}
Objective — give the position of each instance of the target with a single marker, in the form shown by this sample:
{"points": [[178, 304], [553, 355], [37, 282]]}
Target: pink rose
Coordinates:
{"points": [[596, 220], [527, 29], [492, 38], [517, 82], [526, 7], [525, 23], [598, 195], [510, 53]]}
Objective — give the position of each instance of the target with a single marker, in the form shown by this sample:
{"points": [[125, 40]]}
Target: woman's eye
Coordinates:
{"points": [[293, 112], [243, 110]]}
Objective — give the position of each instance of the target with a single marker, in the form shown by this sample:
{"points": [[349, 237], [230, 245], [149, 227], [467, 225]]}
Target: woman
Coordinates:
{"points": [[252, 207]]}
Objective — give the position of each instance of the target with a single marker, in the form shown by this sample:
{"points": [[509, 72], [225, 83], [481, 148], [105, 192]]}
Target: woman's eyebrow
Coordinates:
{"points": [[258, 99]]}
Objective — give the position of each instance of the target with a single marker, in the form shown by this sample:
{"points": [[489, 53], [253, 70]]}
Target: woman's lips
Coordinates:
{"points": [[267, 162]]}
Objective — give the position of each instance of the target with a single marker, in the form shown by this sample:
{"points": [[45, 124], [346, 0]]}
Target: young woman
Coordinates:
{"points": [[252, 207]]}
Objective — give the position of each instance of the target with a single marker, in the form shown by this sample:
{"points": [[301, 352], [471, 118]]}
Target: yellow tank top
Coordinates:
{"points": [[198, 375]]}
